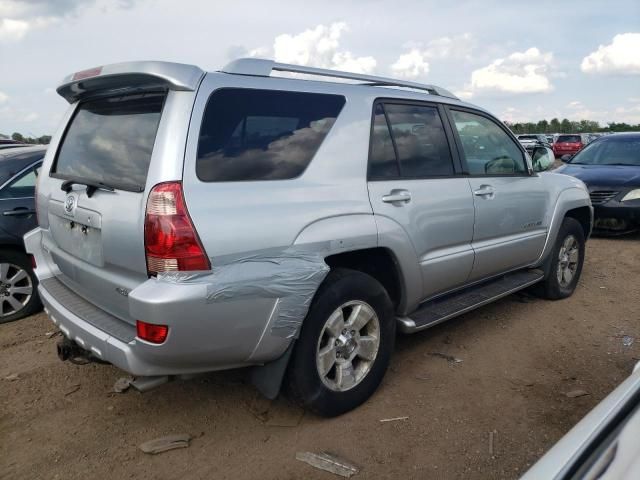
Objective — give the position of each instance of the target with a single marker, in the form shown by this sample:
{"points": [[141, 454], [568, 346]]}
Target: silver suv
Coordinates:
{"points": [[193, 221]]}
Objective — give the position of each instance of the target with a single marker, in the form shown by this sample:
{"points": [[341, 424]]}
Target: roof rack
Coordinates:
{"points": [[263, 68]]}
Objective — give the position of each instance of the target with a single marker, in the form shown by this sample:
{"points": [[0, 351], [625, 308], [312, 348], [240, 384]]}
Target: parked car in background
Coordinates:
{"points": [[567, 145], [603, 445], [550, 139], [235, 218], [18, 285], [10, 145], [530, 141], [610, 167]]}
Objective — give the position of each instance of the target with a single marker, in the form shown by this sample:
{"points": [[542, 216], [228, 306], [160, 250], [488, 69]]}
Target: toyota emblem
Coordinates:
{"points": [[69, 204]]}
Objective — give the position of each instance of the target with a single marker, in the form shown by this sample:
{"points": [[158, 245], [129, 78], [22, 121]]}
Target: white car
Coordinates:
{"points": [[603, 445]]}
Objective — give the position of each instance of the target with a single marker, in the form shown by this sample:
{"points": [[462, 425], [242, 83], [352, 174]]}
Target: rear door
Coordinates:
{"points": [[415, 180], [96, 234], [510, 199]]}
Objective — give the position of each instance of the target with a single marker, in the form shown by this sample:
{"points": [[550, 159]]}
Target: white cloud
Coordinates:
{"points": [[12, 30], [415, 62], [23, 16], [621, 56], [513, 115], [458, 46], [575, 104], [464, 94], [318, 47], [410, 65], [520, 72], [3, 97], [30, 117], [347, 62], [628, 114]]}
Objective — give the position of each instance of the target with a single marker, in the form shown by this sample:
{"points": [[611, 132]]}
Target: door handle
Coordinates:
{"points": [[17, 212], [485, 191], [394, 196]]}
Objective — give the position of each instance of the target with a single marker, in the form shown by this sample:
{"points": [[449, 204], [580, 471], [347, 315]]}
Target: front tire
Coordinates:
{"points": [[567, 258], [344, 346]]}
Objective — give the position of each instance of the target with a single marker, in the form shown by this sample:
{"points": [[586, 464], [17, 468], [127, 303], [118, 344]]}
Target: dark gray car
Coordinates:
{"points": [[18, 172]]}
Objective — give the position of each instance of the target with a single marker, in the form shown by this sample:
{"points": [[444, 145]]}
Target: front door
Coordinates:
{"points": [[415, 184], [510, 200]]}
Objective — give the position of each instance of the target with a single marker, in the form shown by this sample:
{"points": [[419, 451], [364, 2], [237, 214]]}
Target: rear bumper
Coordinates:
{"points": [[565, 151], [203, 336]]}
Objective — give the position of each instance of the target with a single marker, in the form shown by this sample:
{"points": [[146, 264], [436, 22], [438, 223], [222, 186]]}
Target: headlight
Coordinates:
{"points": [[632, 195]]}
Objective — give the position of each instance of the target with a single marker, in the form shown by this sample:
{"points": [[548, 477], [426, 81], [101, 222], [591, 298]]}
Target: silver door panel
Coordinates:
{"points": [[438, 216], [511, 223]]}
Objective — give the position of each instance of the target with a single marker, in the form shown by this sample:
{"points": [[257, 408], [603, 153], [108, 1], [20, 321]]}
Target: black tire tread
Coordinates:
{"points": [[299, 378]]}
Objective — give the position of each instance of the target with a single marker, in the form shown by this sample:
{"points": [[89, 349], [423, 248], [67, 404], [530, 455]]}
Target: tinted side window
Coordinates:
{"points": [[22, 186], [251, 134], [420, 140], [382, 162], [488, 149]]}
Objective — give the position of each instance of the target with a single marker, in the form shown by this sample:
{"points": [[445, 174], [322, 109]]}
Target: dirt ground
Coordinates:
{"points": [[520, 357]]}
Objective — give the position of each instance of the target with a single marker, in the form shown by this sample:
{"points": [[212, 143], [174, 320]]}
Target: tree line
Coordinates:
{"points": [[543, 126], [18, 137], [569, 126]]}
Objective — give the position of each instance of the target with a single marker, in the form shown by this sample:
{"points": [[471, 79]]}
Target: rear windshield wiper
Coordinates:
{"points": [[91, 186]]}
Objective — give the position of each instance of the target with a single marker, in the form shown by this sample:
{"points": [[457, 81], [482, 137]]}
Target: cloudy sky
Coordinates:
{"points": [[521, 60]]}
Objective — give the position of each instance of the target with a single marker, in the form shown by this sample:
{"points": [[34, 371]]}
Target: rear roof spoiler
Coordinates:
{"points": [[120, 76]]}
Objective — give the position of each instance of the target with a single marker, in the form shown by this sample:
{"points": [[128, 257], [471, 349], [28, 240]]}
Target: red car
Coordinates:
{"points": [[567, 145]]}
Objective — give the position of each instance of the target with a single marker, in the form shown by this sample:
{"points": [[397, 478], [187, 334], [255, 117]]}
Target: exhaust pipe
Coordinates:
{"points": [[70, 350], [66, 348]]}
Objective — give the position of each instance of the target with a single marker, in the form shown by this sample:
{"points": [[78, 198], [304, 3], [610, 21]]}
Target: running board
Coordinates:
{"points": [[437, 311]]}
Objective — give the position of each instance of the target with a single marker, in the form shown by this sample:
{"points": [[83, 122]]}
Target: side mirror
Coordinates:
{"points": [[566, 158], [542, 158]]}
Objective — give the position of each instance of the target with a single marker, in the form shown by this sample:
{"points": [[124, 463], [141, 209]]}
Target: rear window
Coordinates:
{"points": [[110, 140], [251, 134], [527, 137], [569, 139]]}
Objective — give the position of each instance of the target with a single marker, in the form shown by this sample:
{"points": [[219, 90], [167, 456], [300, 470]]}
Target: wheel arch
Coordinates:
{"points": [[584, 216], [572, 202], [378, 262]]}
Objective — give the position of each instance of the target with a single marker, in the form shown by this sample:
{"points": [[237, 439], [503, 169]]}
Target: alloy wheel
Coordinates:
{"points": [[16, 289], [568, 258], [348, 345]]}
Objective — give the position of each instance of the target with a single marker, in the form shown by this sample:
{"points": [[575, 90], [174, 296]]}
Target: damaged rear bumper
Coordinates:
{"points": [[245, 312]]}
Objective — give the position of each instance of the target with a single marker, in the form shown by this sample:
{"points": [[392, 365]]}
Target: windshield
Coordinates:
{"points": [[568, 139], [110, 140], [619, 151]]}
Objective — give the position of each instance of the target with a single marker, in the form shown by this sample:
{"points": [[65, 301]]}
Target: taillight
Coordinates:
{"points": [[32, 259], [170, 240], [151, 332]]}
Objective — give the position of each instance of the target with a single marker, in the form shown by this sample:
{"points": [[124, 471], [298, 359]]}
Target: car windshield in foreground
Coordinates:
{"points": [[110, 140], [568, 139], [619, 151]]}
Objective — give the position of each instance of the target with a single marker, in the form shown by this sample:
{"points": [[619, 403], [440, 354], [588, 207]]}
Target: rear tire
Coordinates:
{"points": [[16, 281], [567, 258], [344, 346]]}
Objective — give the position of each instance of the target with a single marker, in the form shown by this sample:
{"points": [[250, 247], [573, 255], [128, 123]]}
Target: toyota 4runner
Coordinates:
{"points": [[192, 221]]}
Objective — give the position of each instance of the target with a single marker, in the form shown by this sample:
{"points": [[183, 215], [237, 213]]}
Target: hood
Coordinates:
{"points": [[604, 175]]}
